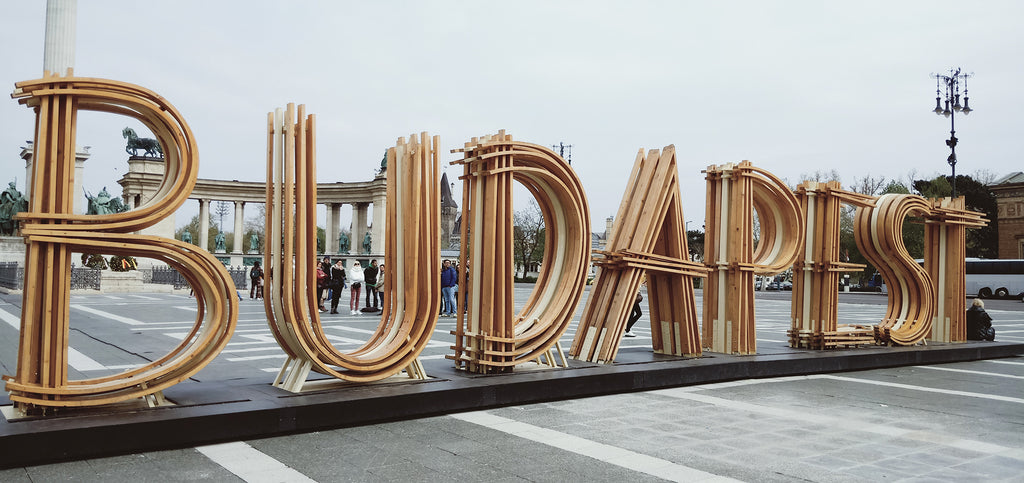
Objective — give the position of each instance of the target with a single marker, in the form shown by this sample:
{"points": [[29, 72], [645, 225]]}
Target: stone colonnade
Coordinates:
{"points": [[145, 174]]}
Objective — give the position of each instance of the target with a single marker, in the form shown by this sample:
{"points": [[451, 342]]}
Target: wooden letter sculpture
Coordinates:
{"points": [[52, 233], [879, 235], [412, 297], [734, 192], [816, 276], [945, 248], [488, 338], [649, 237]]}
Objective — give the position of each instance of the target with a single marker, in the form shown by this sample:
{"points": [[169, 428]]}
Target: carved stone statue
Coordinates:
{"points": [[344, 245], [219, 243], [254, 243], [103, 204], [151, 148], [12, 202], [186, 236], [367, 243]]}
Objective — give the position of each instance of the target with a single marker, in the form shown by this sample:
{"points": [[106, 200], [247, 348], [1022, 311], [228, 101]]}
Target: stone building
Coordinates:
{"points": [[1009, 193], [450, 216]]}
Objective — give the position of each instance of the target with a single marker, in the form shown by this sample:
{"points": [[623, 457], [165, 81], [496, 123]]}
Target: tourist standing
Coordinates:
{"points": [[449, 279], [380, 285], [370, 278], [256, 279], [337, 284], [323, 281], [356, 279]]}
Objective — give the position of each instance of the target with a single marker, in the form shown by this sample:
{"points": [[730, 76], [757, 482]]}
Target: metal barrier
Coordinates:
{"points": [[12, 276], [170, 276], [85, 278]]}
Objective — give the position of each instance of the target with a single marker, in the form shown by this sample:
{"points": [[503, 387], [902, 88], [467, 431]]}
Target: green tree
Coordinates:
{"points": [[913, 226], [981, 242], [695, 244], [256, 225]]}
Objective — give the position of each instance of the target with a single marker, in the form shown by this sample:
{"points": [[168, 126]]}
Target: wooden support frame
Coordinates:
{"points": [[411, 295], [945, 241], [816, 276], [52, 233], [489, 338], [649, 237], [734, 191]]}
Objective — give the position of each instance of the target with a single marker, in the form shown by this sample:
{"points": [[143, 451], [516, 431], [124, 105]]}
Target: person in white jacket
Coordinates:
{"points": [[356, 279]]}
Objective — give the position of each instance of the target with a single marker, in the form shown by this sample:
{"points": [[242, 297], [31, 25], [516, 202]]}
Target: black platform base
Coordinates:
{"points": [[208, 412]]}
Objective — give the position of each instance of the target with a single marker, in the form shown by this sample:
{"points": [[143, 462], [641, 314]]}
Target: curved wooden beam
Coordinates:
{"points": [[411, 296]]}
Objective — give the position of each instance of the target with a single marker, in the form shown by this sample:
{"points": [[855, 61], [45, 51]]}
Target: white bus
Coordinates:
{"points": [[998, 278]]}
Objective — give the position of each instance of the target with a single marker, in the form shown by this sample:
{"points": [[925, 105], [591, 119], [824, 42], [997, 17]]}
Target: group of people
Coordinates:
{"points": [[331, 279]]}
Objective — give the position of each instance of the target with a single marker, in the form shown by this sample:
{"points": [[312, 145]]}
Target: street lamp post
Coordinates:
{"points": [[952, 106]]}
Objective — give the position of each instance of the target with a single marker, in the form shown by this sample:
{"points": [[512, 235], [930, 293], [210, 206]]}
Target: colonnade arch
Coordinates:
{"points": [[144, 177]]}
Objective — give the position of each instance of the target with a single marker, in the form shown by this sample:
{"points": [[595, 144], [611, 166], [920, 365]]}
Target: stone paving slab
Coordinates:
{"points": [[231, 400]]}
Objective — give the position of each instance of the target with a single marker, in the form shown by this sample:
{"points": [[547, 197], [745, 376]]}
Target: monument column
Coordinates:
{"points": [[204, 224], [239, 226], [358, 227], [377, 228], [59, 40]]}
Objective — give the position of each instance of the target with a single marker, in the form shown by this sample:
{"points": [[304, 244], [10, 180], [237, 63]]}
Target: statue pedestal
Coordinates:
{"points": [[12, 249], [129, 282]]}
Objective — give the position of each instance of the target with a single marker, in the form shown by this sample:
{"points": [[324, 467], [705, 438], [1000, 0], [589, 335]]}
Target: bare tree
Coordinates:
{"points": [[985, 176], [820, 176], [869, 185], [528, 236]]}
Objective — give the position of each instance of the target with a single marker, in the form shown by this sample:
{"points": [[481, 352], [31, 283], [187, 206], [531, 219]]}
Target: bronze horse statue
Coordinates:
{"points": [[151, 148]]}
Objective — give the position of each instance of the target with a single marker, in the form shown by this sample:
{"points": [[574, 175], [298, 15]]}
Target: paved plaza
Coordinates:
{"points": [[960, 421]]}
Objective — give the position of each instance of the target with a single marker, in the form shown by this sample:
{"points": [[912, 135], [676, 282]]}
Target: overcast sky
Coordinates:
{"points": [[792, 86]]}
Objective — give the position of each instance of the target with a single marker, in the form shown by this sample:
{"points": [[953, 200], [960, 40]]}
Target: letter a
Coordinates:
{"points": [[649, 237]]}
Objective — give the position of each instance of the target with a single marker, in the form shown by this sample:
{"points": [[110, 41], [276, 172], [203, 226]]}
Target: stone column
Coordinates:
{"points": [[380, 207], [204, 224], [334, 223], [359, 227], [239, 226], [328, 228], [59, 43]]}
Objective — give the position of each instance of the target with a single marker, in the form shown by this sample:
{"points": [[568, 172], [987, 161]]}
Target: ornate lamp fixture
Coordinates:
{"points": [[951, 106]]}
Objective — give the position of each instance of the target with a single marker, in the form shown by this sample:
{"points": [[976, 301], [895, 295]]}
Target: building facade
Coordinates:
{"points": [[1009, 193]]}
